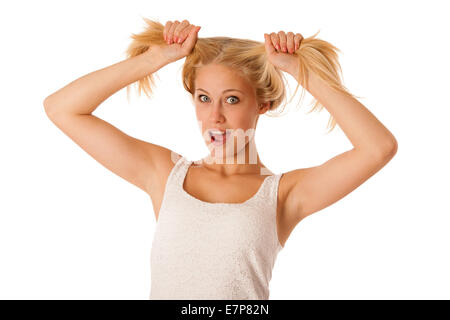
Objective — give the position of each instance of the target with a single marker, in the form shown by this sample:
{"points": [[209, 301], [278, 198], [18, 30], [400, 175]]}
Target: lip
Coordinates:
{"points": [[217, 129], [224, 131], [218, 143]]}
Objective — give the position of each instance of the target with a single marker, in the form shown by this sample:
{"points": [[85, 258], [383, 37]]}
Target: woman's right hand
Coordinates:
{"points": [[180, 38]]}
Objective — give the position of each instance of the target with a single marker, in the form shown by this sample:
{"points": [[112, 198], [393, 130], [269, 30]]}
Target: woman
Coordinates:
{"points": [[222, 220]]}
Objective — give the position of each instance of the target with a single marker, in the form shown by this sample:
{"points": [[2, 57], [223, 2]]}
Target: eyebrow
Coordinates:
{"points": [[223, 90]]}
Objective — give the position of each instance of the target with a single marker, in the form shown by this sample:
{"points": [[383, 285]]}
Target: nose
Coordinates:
{"points": [[216, 114]]}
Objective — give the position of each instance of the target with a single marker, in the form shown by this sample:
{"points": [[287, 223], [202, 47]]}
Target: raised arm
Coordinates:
{"points": [[312, 189], [71, 107], [308, 190]]}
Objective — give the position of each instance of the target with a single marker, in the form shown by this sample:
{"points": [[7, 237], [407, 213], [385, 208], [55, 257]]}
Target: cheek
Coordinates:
{"points": [[244, 127], [244, 120], [201, 113]]}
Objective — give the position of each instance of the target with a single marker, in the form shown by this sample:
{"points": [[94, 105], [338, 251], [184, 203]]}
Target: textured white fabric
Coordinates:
{"points": [[217, 251]]}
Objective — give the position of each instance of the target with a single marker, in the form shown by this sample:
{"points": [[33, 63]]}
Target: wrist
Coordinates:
{"points": [[153, 61], [293, 71]]}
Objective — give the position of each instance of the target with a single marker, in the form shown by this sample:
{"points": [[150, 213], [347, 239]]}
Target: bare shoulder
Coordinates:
{"points": [[163, 160], [312, 189], [289, 205], [288, 181]]}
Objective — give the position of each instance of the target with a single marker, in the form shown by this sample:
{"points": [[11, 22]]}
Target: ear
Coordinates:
{"points": [[263, 107]]}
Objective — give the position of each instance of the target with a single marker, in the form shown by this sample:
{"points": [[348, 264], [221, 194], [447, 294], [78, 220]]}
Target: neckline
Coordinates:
{"points": [[186, 167]]}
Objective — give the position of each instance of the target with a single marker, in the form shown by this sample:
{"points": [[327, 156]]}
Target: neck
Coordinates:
{"points": [[244, 161]]}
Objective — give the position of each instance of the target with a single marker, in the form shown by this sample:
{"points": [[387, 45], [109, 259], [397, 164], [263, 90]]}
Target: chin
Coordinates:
{"points": [[228, 150]]}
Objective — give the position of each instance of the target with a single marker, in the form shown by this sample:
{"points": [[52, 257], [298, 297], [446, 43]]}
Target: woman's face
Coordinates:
{"points": [[225, 101]]}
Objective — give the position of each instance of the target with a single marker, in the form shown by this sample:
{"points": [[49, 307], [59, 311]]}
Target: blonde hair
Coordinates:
{"points": [[248, 57]]}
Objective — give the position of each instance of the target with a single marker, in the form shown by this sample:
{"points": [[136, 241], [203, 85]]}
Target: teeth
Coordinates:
{"points": [[217, 132]]}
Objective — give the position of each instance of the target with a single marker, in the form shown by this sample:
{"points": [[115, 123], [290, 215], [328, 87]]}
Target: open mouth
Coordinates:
{"points": [[218, 138]]}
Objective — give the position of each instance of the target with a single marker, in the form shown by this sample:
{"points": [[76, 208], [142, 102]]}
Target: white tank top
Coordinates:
{"points": [[217, 251]]}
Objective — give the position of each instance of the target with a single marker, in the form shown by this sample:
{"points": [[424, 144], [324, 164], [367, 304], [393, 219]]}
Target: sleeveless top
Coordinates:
{"points": [[213, 251]]}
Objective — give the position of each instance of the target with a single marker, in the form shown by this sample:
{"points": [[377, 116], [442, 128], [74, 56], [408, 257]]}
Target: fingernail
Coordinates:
{"points": [[179, 40], [277, 46]]}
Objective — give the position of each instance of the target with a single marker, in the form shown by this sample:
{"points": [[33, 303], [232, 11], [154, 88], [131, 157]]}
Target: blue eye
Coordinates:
{"points": [[237, 99], [202, 95]]}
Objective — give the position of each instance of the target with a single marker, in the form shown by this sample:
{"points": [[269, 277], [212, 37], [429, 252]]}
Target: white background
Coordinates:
{"points": [[71, 229]]}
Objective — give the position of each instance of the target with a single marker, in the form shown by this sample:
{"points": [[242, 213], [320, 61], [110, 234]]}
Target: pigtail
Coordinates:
{"points": [[248, 57], [153, 34], [321, 58]]}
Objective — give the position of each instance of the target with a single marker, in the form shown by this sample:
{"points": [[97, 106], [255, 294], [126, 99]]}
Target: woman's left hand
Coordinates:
{"points": [[281, 47]]}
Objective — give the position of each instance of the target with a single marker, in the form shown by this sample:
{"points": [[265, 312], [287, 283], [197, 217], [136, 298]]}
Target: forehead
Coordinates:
{"points": [[216, 76]]}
